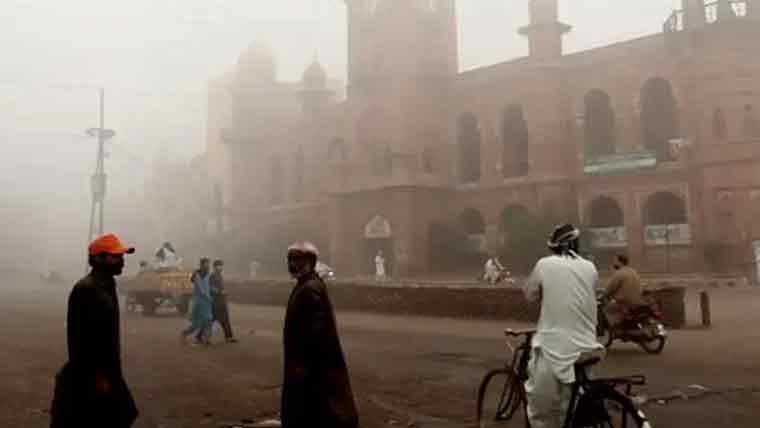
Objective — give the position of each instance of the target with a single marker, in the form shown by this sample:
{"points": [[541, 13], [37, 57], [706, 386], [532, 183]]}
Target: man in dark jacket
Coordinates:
{"points": [[316, 388], [90, 390], [221, 311]]}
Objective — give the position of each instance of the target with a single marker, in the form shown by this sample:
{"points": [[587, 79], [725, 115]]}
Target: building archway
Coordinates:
{"points": [[607, 231], [599, 124], [515, 160], [377, 236], [659, 117], [469, 142], [665, 220], [522, 238], [474, 226]]}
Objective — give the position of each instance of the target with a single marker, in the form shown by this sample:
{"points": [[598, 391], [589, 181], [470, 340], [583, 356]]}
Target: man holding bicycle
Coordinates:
{"points": [[564, 285]]}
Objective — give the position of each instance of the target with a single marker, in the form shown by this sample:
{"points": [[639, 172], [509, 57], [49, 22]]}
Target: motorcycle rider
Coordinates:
{"points": [[564, 284], [623, 293]]}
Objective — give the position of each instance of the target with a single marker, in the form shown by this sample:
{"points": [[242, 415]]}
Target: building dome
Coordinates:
{"points": [[315, 77], [257, 64]]}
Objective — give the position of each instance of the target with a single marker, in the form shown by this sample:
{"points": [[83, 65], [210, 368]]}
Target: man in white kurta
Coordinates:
{"points": [[564, 284]]}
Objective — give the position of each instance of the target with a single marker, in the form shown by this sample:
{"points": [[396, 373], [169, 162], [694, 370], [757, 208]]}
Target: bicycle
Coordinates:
{"points": [[594, 403]]}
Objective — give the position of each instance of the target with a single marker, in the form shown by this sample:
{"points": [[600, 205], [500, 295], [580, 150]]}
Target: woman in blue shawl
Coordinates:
{"points": [[201, 315]]}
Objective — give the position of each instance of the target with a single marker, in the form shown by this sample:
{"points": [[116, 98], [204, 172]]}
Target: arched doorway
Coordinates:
{"points": [[469, 141], [522, 238], [666, 226], [474, 227], [606, 229], [378, 236]]}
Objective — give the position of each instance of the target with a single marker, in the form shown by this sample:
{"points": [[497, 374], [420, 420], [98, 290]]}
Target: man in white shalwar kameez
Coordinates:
{"points": [[564, 283]]}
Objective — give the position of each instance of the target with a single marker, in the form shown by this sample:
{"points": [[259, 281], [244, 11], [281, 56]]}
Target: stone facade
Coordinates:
{"points": [[653, 145]]}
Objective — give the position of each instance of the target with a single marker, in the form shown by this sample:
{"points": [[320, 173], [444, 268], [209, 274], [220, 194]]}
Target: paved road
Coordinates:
{"points": [[404, 369]]}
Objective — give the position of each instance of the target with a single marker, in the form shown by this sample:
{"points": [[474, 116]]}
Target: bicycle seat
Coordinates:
{"points": [[517, 333]]}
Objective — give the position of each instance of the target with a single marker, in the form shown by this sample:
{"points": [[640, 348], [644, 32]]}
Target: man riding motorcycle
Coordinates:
{"points": [[623, 294]]}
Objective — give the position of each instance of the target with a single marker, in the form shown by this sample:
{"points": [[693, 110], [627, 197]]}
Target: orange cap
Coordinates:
{"points": [[109, 244]]}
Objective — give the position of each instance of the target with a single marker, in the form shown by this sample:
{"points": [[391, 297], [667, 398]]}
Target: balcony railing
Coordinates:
{"points": [[677, 22]]}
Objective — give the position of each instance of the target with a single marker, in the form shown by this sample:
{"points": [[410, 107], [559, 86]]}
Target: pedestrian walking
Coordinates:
{"points": [[201, 312], [380, 274], [221, 311], [90, 390], [316, 387]]}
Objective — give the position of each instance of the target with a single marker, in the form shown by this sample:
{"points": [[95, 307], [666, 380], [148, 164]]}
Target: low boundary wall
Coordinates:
{"points": [[450, 301]]}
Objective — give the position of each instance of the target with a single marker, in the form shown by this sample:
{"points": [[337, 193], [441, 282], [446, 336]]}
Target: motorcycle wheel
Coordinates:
{"points": [[654, 346]]}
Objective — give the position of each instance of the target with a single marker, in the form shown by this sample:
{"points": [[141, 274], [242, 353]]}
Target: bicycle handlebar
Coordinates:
{"points": [[517, 333]]}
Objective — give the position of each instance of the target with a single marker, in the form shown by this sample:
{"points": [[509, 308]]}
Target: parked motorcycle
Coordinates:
{"points": [[642, 326]]}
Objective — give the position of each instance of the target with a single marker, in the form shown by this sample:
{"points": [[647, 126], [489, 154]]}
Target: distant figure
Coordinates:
{"points": [[380, 266], [90, 390], [144, 267], [166, 257], [221, 311], [316, 389], [493, 270], [201, 313], [253, 269]]}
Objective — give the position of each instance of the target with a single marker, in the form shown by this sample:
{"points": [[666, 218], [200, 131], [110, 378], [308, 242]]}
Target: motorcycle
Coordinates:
{"points": [[642, 326]]}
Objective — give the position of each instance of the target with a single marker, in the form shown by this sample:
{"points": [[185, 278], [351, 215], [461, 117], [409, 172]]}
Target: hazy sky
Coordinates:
{"points": [[155, 58]]}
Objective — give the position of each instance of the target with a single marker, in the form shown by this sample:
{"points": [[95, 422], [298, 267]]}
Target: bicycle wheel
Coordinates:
{"points": [[607, 408], [501, 401]]}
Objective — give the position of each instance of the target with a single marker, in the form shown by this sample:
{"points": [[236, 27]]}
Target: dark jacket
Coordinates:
{"points": [[94, 353], [316, 388]]}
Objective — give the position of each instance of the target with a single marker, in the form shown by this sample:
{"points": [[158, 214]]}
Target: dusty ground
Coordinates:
{"points": [[403, 369]]}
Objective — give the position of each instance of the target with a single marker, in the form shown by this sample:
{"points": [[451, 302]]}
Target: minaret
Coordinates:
{"points": [[545, 31], [694, 14], [314, 95]]}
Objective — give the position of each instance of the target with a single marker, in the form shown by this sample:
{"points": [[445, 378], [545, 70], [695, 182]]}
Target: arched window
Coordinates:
{"points": [[336, 153], [514, 133], [298, 172], [664, 208], [474, 227], [605, 212], [719, 127], [276, 196], [607, 229], [599, 124], [469, 148], [751, 125], [665, 221], [659, 116]]}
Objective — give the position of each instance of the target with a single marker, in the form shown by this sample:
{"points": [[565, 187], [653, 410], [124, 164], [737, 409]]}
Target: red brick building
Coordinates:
{"points": [[653, 145]]}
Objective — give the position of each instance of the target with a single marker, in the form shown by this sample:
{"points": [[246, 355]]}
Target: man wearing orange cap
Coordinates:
{"points": [[90, 390]]}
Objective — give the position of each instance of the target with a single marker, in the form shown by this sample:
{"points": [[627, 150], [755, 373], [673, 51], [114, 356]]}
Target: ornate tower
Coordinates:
{"points": [[314, 95], [400, 39], [545, 31], [695, 15]]}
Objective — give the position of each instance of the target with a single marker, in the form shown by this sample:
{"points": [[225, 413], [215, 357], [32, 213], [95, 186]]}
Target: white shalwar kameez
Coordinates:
{"points": [[566, 329]]}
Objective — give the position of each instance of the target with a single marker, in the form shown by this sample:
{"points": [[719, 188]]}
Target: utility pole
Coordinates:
{"points": [[98, 182]]}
